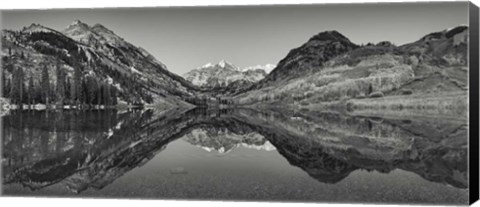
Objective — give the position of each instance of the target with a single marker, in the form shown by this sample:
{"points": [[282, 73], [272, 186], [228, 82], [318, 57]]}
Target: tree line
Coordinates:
{"points": [[57, 89]]}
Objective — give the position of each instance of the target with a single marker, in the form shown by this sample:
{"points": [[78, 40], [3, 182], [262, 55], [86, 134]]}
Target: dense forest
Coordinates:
{"points": [[57, 89], [68, 78]]}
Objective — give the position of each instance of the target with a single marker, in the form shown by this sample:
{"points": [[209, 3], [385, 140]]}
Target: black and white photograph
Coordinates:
{"points": [[316, 103]]}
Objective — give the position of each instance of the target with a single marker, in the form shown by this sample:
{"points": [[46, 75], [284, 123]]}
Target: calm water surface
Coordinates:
{"points": [[234, 155]]}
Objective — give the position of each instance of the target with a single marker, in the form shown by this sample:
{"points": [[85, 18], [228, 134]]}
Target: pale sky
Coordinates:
{"points": [[189, 37]]}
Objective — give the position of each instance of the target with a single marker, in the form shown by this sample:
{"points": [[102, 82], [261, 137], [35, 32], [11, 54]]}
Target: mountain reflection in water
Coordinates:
{"points": [[91, 149]]}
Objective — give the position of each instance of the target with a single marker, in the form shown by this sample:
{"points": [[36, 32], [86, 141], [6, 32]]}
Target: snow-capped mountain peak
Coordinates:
{"points": [[222, 74], [223, 63]]}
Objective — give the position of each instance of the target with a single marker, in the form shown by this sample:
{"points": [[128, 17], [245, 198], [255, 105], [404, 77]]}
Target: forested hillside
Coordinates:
{"points": [[41, 65]]}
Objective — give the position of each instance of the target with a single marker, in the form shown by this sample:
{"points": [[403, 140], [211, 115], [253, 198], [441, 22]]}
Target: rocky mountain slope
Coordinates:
{"points": [[96, 52]]}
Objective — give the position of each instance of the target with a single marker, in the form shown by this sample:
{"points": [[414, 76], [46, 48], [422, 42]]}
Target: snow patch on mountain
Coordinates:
{"points": [[222, 63], [207, 65]]}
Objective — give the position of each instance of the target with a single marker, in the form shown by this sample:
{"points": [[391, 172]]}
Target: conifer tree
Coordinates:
{"points": [[6, 85], [17, 87], [31, 91], [60, 86], [67, 90], [108, 95], [45, 85], [114, 95], [76, 92], [21, 86]]}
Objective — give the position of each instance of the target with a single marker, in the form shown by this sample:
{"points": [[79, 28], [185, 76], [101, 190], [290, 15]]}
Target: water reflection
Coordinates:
{"points": [[92, 149], [223, 141]]}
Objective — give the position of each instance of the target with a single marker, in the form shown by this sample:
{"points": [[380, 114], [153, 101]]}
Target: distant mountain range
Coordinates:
{"points": [[224, 73]]}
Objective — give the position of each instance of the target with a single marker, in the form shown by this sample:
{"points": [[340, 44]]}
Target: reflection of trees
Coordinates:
{"points": [[93, 148], [50, 143]]}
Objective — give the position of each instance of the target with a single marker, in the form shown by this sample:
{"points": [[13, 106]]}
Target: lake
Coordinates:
{"points": [[235, 154]]}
